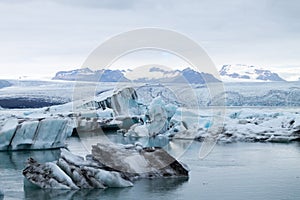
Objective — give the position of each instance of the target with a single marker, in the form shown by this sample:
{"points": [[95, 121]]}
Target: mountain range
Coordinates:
{"points": [[86, 74], [157, 73], [145, 74], [239, 72]]}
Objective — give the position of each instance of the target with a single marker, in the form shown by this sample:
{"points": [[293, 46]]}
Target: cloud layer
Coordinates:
{"points": [[43, 37]]}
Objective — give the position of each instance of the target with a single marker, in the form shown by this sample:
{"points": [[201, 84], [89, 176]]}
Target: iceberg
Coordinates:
{"points": [[158, 116], [48, 128], [109, 165], [49, 133], [120, 101], [120, 109], [112, 109], [158, 120]]}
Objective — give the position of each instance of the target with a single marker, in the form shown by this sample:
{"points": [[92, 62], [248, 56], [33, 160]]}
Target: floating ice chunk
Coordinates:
{"points": [[73, 172], [160, 116], [157, 119], [110, 165], [35, 134]]}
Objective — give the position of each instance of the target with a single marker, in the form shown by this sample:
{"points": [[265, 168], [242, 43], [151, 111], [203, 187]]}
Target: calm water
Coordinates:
{"points": [[231, 171]]}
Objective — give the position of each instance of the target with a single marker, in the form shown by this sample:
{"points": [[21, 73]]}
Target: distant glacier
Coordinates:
{"points": [[34, 94]]}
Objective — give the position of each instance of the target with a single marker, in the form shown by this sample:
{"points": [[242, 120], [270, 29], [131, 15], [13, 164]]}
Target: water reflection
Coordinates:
{"points": [[62, 194], [140, 189], [17, 159], [11, 166]]}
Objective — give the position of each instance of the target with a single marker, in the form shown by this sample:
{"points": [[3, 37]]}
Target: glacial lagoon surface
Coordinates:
{"points": [[231, 171]]}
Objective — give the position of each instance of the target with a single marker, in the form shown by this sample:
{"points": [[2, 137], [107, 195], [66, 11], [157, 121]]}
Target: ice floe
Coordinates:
{"points": [[257, 125]]}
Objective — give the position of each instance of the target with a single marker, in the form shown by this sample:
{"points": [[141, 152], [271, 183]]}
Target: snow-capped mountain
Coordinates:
{"points": [[241, 72], [164, 75], [146, 74], [86, 74]]}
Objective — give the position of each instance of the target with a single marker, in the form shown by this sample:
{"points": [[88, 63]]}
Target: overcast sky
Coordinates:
{"points": [[43, 37]]}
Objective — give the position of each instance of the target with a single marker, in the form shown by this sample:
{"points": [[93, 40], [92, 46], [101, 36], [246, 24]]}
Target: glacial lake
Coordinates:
{"points": [[230, 171]]}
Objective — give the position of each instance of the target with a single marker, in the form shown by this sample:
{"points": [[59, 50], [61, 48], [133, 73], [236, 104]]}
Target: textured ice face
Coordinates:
{"points": [[158, 117], [255, 125], [110, 165], [120, 101], [34, 134]]}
